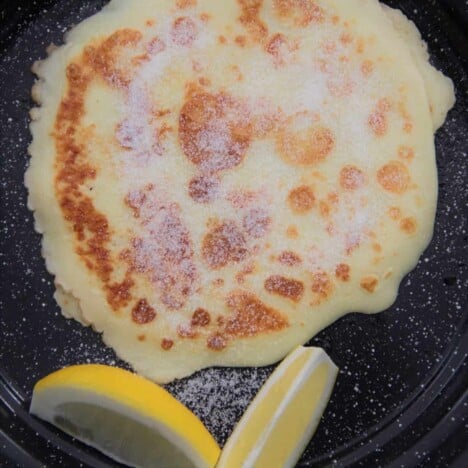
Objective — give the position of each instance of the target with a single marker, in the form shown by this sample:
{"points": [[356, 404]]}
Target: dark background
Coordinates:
{"points": [[401, 396]]}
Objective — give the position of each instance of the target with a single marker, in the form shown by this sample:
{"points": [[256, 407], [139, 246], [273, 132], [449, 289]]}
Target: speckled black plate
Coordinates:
{"points": [[401, 396]]}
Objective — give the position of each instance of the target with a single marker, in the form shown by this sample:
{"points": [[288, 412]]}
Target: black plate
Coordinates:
{"points": [[400, 399]]}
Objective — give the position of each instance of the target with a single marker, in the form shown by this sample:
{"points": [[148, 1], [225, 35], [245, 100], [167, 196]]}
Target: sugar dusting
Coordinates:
{"points": [[184, 31], [139, 132], [219, 396], [165, 253], [216, 140], [136, 132], [329, 89]]}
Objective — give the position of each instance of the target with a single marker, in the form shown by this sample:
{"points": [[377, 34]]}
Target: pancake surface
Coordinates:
{"points": [[218, 181]]}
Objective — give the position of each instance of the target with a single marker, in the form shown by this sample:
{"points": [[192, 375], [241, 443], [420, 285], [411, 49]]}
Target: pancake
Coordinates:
{"points": [[216, 182]]}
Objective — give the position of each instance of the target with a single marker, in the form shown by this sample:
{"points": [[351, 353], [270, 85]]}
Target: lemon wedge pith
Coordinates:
{"points": [[282, 418], [123, 415]]}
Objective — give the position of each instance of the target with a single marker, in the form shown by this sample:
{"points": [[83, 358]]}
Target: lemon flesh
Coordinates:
{"points": [[128, 418], [282, 418]]}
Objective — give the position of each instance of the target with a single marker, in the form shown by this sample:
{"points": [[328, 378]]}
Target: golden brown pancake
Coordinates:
{"points": [[218, 181]]}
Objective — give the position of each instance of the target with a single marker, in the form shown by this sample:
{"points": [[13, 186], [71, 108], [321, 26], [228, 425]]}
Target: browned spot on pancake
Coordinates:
{"points": [[247, 270], [184, 31], [329, 205], [292, 232], [204, 81], [352, 242], [214, 131], [143, 313], [378, 120], [224, 244], [394, 213], [218, 282], [384, 105], [257, 223], [183, 4], [408, 127], [285, 287], [394, 177], [279, 48], [155, 46], [118, 294], [318, 175], [408, 225], [301, 199], [200, 318], [89, 226], [103, 59], [378, 123], [406, 152], [204, 188], [346, 38], [241, 41], [185, 331], [289, 258], [150, 23], [251, 317], [216, 342], [222, 39], [159, 113], [303, 142], [167, 344], [361, 45], [352, 178], [342, 272], [377, 247], [324, 65], [162, 131], [141, 337], [367, 68], [301, 12], [250, 19], [236, 70], [193, 88], [205, 17], [138, 60], [406, 116], [321, 284], [369, 283], [275, 45]]}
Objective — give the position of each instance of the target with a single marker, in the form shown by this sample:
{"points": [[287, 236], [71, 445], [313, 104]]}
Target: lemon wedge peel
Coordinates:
{"points": [[130, 396], [280, 421]]}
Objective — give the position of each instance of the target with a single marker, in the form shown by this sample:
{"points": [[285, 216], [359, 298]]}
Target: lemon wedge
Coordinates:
{"points": [[130, 419], [282, 418]]}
